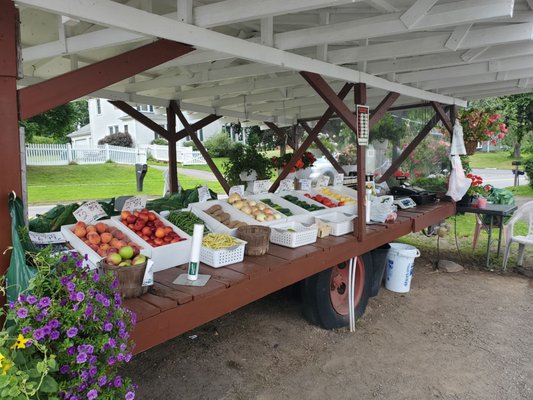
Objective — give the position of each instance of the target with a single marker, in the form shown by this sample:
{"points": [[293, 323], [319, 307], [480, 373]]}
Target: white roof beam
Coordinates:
{"points": [[473, 54], [184, 11], [114, 14], [457, 37], [450, 14], [530, 4], [416, 12], [267, 31], [382, 5], [231, 11]]}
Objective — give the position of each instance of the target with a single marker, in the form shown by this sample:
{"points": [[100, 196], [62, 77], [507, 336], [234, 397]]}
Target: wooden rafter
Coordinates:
{"points": [[307, 142], [441, 113], [36, 99], [192, 133], [409, 149], [382, 108], [140, 117]]}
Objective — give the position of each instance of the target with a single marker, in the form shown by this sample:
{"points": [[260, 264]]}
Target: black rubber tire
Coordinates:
{"points": [[316, 301]]}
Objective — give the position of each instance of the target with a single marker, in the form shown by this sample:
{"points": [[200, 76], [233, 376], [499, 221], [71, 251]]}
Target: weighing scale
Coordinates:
{"points": [[405, 202]]}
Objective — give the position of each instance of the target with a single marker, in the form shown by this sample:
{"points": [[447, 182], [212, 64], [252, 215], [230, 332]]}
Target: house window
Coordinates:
{"points": [[201, 135], [98, 107], [145, 108], [188, 138], [126, 128], [112, 129]]}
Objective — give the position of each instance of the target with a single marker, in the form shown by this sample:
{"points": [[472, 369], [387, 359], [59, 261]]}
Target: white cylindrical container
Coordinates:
{"points": [[194, 263], [400, 267], [368, 204]]}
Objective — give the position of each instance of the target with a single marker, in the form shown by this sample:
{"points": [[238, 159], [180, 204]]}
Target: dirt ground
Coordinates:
{"points": [[463, 336]]}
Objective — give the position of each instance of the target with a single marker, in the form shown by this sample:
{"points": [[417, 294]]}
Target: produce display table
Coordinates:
{"points": [[170, 310]]}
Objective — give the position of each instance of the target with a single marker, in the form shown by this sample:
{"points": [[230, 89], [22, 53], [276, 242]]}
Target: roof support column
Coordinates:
{"points": [[172, 158], [9, 139], [360, 221]]}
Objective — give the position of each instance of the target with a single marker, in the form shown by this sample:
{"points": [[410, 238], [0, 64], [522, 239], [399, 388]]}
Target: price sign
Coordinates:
{"points": [[305, 184], [203, 194], [239, 189], [339, 180], [323, 181], [261, 186], [135, 203], [89, 212], [286, 185], [47, 238], [148, 278]]}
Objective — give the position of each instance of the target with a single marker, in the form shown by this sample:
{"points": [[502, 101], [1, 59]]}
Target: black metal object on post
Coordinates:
{"points": [[517, 172], [140, 173]]}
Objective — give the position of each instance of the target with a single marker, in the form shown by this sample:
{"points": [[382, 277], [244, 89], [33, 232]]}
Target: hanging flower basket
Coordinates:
{"points": [[470, 146]]}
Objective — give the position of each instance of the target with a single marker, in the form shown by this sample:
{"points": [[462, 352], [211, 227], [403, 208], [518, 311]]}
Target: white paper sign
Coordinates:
{"points": [[239, 189], [89, 212], [203, 194], [339, 180], [135, 203], [148, 278], [261, 186], [323, 181], [305, 184], [286, 185], [47, 238]]}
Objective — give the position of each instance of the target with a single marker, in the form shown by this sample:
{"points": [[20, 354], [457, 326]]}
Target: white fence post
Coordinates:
{"points": [[107, 155], [69, 153]]}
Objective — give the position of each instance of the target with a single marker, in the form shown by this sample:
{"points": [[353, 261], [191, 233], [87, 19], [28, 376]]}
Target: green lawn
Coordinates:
{"points": [[500, 160], [52, 184]]}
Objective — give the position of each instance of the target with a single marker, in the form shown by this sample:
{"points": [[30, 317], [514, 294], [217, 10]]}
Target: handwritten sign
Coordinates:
{"points": [[239, 189], [305, 184], [339, 180], [286, 185], [135, 203], [261, 186], [47, 238], [323, 181], [89, 212], [203, 194]]}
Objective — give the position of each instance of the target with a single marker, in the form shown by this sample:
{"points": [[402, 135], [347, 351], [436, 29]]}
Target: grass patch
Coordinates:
{"points": [[49, 184], [522, 190], [499, 160]]}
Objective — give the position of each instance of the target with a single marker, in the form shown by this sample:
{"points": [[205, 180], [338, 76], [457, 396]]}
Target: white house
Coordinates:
{"points": [[105, 118]]}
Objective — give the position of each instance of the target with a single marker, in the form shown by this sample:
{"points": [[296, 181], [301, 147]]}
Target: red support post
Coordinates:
{"points": [[10, 137], [360, 221], [37, 98], [172, 158]]}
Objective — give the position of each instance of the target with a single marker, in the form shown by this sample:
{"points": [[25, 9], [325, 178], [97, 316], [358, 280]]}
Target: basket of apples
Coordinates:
{"points": [[129, 270]]}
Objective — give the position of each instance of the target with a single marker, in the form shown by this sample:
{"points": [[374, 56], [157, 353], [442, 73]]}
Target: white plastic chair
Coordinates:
{"points": [[523, 213]]}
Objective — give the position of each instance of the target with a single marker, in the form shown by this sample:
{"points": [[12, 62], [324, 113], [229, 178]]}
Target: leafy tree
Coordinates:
{"points": [[219, 145], [58, 122], [122, 139]]}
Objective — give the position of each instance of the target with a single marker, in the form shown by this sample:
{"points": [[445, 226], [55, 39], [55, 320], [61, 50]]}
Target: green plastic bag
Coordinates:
{"points": [[19, 272]]}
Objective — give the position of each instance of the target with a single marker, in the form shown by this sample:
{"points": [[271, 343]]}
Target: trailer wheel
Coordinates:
{"points": [[325, 295]]}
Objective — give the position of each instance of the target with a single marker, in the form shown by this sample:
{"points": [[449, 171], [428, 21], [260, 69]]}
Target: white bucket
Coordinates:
{"points": [[400, 266]]}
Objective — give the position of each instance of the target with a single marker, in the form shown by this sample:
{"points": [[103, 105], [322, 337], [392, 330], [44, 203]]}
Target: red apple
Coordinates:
{"points": [[125, 214], [131, 219], [160, 232]]}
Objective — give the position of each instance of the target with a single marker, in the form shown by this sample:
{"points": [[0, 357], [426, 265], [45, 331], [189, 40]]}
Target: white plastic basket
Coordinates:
{"points": [[222, 257], [340, 223], [301, 236]]}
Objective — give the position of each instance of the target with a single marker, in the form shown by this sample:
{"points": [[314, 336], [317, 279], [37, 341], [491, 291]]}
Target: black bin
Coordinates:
{"points": [[379, 263]]}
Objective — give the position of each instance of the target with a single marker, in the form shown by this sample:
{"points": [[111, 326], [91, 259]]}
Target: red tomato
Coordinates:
{"points": [[340, 203]]}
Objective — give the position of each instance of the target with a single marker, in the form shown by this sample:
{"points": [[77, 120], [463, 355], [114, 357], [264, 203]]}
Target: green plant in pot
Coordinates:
{"points": [[388, 129], [246, 160]]}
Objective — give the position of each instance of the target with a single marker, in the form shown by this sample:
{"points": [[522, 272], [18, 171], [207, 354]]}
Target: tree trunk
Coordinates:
{"points": [[516, 150]]}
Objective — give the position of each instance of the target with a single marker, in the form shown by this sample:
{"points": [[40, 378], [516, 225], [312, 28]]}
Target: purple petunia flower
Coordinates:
{"points": [[71, 350], [128, 357], [92, 360], [93, 371], [102, 381], [96, 277], [108, 326], [22, 312], [63, 302], [31, 299], [112, 342], [92, 394], [112, 360], [46, 329], [54, 323], [11, 304], [38, 334], [75, 307], [71, 286], [81, 358], [64, 369], [64, 280], [26, 330], [80, 296], [130, 396], [39, 318], [54, 335], [88, 311], [117, 382], [71, 332], [64, 258], [114, 285], [79, 263], [84, 375], [123, 346], [106, 302], [44, 302]]}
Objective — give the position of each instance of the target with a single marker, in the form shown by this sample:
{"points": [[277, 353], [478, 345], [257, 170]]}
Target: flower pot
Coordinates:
{"points": [[304, 173], [246, 176], [470, 146], [465, 201]]}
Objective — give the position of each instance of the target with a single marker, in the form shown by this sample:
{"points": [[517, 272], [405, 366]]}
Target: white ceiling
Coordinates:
{"points": [[249, 52]]}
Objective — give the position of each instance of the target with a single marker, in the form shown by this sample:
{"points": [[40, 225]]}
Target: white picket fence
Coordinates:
{"points": [[63, 154]]}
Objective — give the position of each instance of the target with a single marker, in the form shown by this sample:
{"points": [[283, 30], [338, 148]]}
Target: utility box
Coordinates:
{"points": [[140, 173]]}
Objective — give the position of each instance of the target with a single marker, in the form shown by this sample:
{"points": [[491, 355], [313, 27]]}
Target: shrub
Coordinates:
{"points": [[528, 167], [219, 145], [160, 141], [190, 143], [122, 139], [37, 139]]}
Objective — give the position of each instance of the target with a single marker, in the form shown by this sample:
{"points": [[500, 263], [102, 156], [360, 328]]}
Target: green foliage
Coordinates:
{"points": [[219, 145], [245, 159], [528, 168], [160, 141], [437, 184], [38, 139], [58, 122], [388, 129], [122, 139], [326, 141], [429, 157], [190, 143]]}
